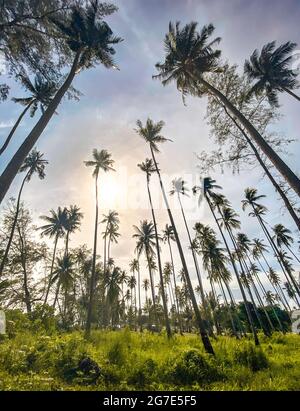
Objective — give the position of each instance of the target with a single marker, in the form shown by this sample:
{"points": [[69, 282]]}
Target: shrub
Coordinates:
{"points": [[116, 354], [250, 356], [193, 366]]}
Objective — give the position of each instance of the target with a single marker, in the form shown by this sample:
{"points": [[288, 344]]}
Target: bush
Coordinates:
{"points": [[193, 366], [250, 356], [116, 354]]}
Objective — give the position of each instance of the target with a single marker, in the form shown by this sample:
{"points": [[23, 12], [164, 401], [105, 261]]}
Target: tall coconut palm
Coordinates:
{"points": [[218, 201], [55, 228], [41, 91], [180, 189], [91, 41], [151, 134], [272, 72], [146, 242], [190, 57], [110, 220], [148, 168], [101, 161], [252, 199], [168, 236], [72, 223], [135, 268], [146, 286], [33, 164], [63, 276], [282, 236]]}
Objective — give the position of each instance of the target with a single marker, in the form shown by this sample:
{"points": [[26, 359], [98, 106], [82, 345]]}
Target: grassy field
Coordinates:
{"points": [[133, 361]]}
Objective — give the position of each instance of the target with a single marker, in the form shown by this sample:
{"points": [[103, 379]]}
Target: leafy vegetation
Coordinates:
{"points": [[35, 356]]}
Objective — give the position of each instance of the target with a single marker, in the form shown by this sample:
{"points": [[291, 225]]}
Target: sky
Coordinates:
{"points": [[112, 101]]}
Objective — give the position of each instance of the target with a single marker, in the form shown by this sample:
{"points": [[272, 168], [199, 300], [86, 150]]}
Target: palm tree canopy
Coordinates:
{"points": [[179, 187], [101, 161], [271, 70], [41, 90], [168, 233], [282, 235], [64, 271], [151, 133], [189, 55], [86, 32], [251, 198], [145, 235], [147, 167], [34, 163], [74, 217], [56, 223]]}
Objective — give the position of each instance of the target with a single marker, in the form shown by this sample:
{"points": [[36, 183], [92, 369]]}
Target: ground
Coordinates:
{"points": [[127, 360]]}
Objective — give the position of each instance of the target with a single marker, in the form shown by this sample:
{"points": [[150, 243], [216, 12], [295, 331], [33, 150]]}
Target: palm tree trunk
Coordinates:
{"points": [[280, 165], [291, 93], [228, 309], [104, 254], [93, 274], [293, 254], [27, 297], [51, 270], [12, 132], [3, 262], [152, 287], [139, 297], [248, 312], [14, 165], [165, 306], [203, 333], [268, 174], [175, 287]]}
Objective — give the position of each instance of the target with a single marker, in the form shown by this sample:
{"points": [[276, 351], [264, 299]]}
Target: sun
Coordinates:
{"points": [[108, 191]]}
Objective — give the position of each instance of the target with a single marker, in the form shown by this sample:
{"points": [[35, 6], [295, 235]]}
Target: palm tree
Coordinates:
{"points": [[111, 220], [101, 161], [55, 228], [113, 235], [252, 199], [282, 237], [91, 41], [190, 56], [33, 164], [179, 188], [148, 168], [63, 275], [114, 289], [218, 201], [146, 286], [41, 92], [146, 241], [271, 71], [72, 223], [151, 134], [135, 268], [168, 236]]}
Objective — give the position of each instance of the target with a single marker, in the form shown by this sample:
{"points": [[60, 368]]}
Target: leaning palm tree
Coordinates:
{"points": [[229, 222], [180, 189], [252, 199], [151, 134], [148, 168], [41, 91], [33, 164], [190, 57], [55, 228], [282, 236], [91, 41], [168, 236], [272, 72], [101, 161]]}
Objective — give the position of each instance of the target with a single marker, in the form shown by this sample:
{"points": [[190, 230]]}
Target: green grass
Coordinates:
{"points": [[133, 361]]}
